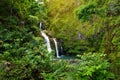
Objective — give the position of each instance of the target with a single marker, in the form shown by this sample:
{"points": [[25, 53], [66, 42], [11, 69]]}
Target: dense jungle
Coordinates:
{"points": [[59, 39]]}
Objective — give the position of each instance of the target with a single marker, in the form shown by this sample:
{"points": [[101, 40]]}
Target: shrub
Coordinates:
{"points": [[23, 56], [89, 66], [32, 19], [94, 66]]}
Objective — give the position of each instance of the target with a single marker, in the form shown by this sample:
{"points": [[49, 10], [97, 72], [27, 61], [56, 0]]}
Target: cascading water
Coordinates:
{"points": [[56, 47], [46, 38]]}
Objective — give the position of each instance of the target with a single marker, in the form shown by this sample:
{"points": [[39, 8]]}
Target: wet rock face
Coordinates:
{"points": [[61, 46], [22, 22], [6, 66], [43, 26]]}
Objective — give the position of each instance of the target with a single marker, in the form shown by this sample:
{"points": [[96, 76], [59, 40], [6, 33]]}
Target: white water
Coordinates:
{"points": [[46, 38], [56, 47]]}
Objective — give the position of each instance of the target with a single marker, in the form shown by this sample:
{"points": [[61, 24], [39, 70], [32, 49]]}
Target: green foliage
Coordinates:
{"points": [[109, 10], [79, 47], [12, 20], [109, 13], [94, 66], [22, 52], [34, 8], [33, 19], [62, 20], [23, 56], [89, 66], [85, 12], [20, 10], [115, 63]]}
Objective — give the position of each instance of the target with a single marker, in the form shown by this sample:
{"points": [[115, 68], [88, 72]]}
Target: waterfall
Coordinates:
{"points": [[48, 41], [56, 47], [46, 38]]}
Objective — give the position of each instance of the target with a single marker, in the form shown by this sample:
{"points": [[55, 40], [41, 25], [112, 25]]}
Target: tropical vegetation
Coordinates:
{"points": [[89, 30]]}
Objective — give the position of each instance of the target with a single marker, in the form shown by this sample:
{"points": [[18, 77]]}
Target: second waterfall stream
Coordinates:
{"points": [[56, 47]]}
